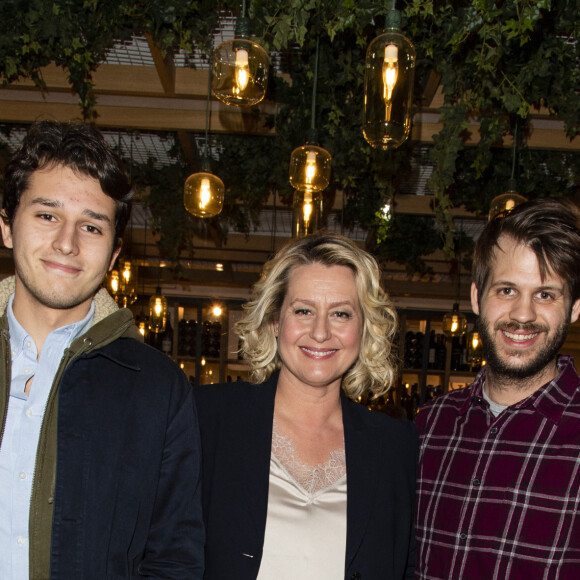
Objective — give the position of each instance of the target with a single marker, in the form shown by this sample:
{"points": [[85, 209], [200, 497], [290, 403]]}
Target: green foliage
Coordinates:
{"points": [[408, 239]]}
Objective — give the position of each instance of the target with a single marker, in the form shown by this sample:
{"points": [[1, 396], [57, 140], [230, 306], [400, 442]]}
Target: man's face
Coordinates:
{"points": [[63, 236], [523, 320]]}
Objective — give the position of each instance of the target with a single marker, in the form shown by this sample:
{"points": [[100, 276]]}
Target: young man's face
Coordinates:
{"points": [[523, 319], [63, 235]]}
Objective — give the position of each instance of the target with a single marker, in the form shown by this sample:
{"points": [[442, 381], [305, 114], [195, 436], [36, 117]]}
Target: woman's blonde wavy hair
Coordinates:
{"points": [[375, 369]]}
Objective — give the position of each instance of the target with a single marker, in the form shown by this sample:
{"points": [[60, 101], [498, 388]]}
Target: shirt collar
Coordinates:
{"points": [[550, 399], [19, 337]]}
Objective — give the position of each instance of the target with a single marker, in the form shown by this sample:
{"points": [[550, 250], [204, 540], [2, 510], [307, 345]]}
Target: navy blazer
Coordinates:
{"points": [[236, 434]]}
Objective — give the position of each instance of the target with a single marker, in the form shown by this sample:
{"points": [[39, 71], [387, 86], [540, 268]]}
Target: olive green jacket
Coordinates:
{"points": [[109, 324]]}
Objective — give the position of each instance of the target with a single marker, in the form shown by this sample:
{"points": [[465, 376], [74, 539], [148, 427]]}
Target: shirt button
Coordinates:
{"points": [[476, 481], [28, 412], [21, 540], [28, 344], [22, 475], [493, 431], [26, 371], [463, 536]]}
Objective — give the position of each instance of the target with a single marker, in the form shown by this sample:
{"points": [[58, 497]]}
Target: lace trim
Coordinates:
{"points": [[312, 478]]}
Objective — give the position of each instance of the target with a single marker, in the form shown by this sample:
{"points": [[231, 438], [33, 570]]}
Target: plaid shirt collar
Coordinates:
{"points": [[550, 399]]}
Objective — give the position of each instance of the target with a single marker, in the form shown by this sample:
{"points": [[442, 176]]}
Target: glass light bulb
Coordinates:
{"points": [[475, 340], [307, 209], [390, 75], [204, 193], [127, 272], [454, 324], [114, 281], [390, 70], [310, 166], [158, 307], [242, 69]]}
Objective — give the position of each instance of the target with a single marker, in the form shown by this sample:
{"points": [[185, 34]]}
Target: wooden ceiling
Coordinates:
{"points": [[157, 94]]}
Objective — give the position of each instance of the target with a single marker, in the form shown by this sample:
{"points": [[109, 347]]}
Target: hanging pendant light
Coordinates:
{"points": [[307, 212], [121, 284], [127, 285], [203, 192], [474, 349], [454, 323], [504, 203], [112, 282], [157, 312], [310, 164], [240, 68], [389, 80]]}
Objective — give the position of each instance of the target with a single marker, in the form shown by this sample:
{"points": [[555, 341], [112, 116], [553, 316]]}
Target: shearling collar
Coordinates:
{"points": [[104, 304]]}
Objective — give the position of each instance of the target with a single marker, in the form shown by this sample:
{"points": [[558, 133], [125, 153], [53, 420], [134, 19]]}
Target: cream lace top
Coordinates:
{"points": [[306, 522]]}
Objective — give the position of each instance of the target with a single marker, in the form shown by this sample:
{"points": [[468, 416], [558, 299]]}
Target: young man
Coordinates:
{"points": [[499, 479], [99, 450]]}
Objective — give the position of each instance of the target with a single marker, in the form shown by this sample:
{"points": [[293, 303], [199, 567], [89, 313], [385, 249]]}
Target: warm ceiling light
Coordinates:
{"points": [[389, 79], [310, 166], [307, 212], [203, 194], [504, 203], [219, 267], [240, 68], [113, 282], [157, 312], [454, 323]]}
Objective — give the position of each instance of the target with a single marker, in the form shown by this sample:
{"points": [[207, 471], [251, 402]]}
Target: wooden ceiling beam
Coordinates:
{"points": [[169, 98], [164, 65]]}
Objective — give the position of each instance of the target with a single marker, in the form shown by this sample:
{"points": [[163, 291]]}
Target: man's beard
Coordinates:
{"points": [[507, 367]]}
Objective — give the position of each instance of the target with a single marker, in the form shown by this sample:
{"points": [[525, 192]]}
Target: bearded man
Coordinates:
{"points": [[499, 475]]}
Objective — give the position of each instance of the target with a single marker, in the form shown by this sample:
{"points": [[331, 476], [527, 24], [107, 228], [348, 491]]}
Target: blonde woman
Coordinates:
{"points": [[299, 481]]}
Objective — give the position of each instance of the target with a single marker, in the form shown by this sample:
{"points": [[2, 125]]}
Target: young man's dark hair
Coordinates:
{"points": [[549, 227], [78, 146]]}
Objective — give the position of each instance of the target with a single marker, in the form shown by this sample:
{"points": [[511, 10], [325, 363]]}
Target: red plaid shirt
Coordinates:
{"points": [[499, 498]]}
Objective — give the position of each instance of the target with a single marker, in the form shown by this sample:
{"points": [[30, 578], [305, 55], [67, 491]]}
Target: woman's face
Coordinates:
{"points": [[320, 326]]}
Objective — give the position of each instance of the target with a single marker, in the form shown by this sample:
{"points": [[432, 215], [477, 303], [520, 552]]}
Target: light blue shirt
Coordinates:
{"points": [[20, 438]]}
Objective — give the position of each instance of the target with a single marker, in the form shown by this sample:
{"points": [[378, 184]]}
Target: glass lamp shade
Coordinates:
{"points": [[157, 312], [127, 285], [113, 282], [389, 79], [502, 204], [307, 213], [454, 323], [474, 349], [310, 168], [240, 72], [203, 195]]}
